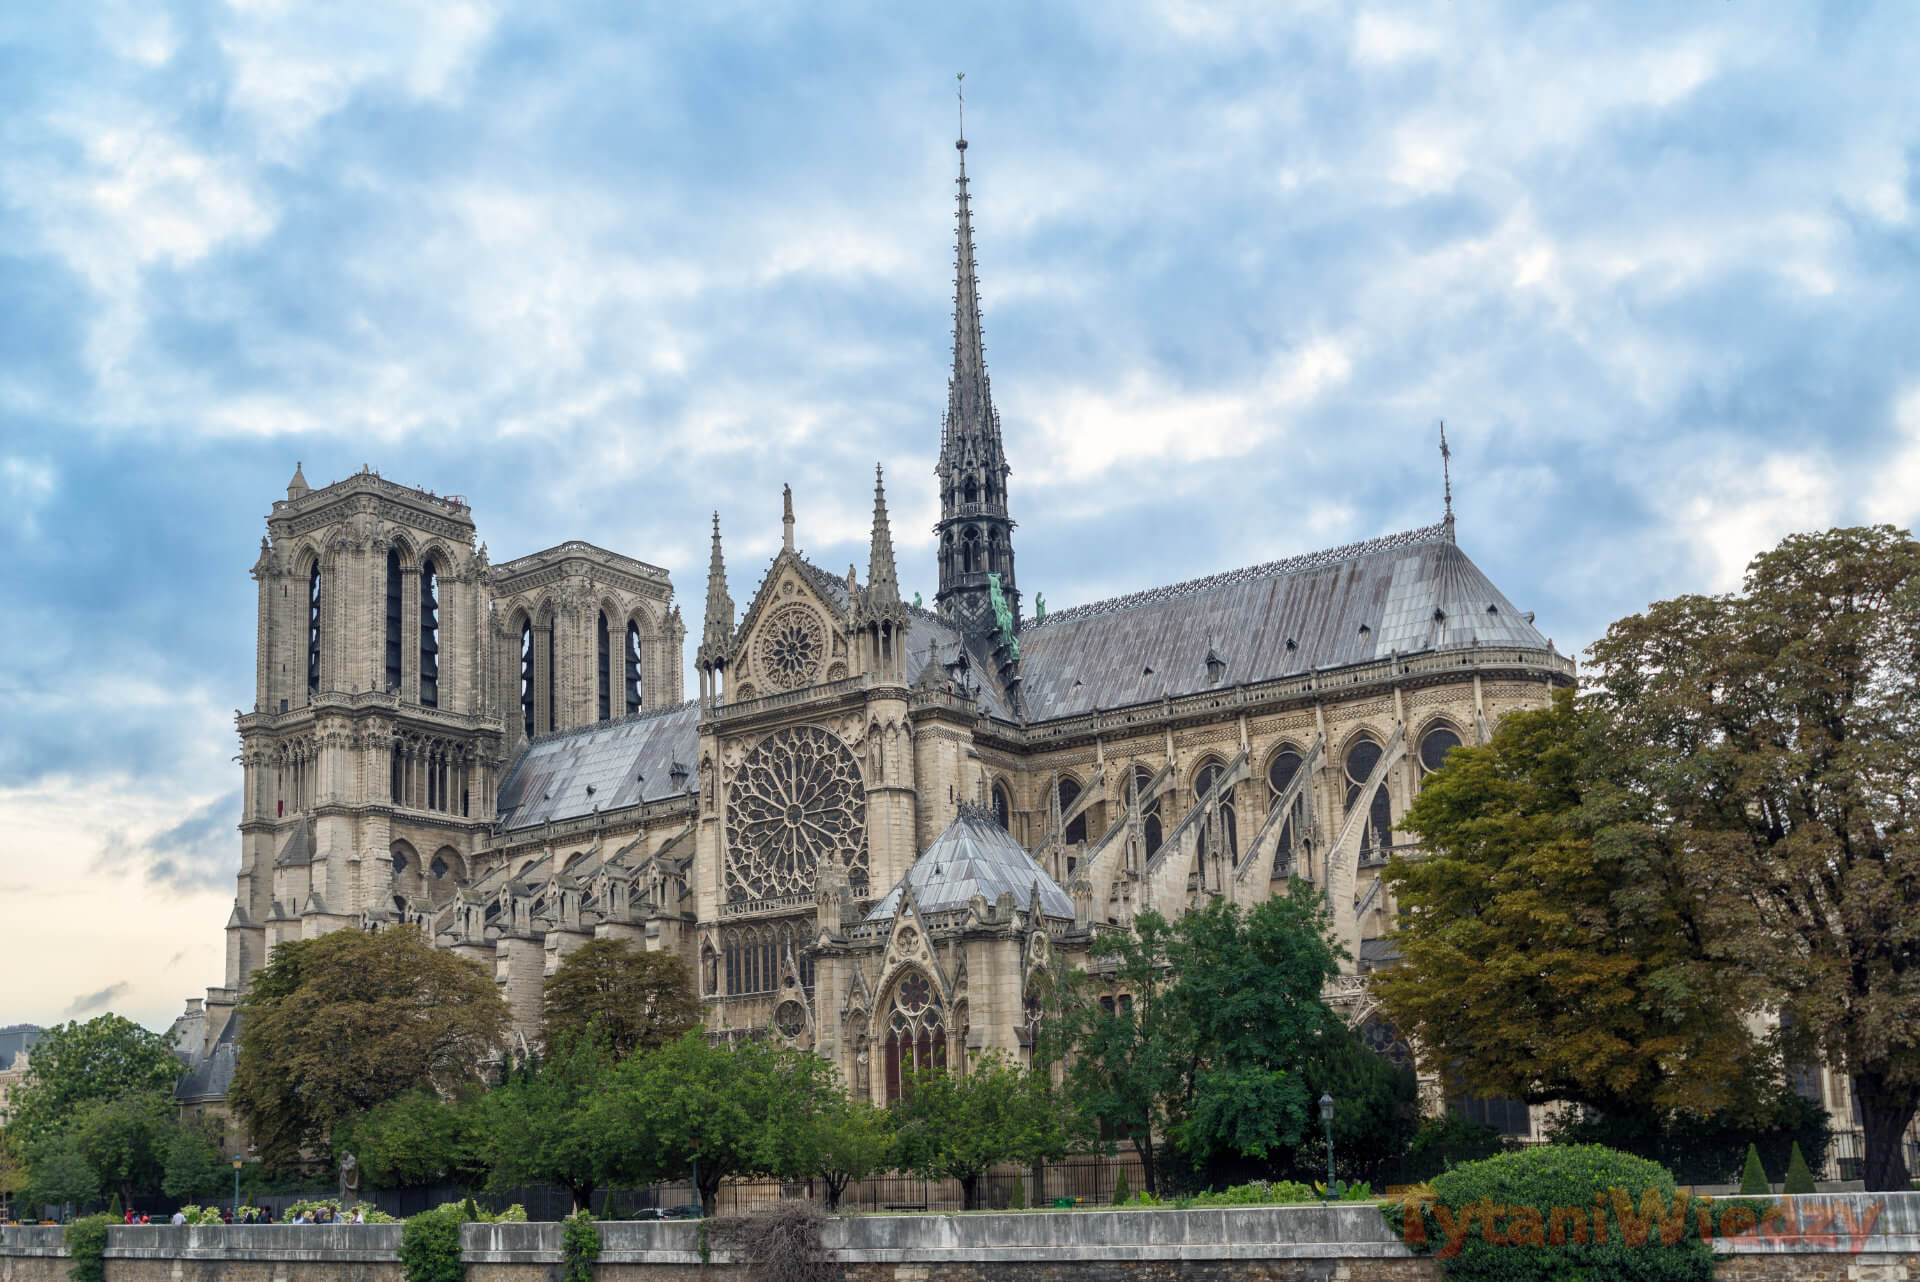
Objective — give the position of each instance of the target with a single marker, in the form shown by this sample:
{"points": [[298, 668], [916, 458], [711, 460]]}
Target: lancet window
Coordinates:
{"points": [[313, 628], [1281, 772], [916, 1032], [603, 668], [429, 636], [1362, 758], [633, 666], [395, 613], [1151, 828]]}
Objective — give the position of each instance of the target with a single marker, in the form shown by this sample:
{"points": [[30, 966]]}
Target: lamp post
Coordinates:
{"points": [[236, 1189], [697, 1199], [1326, 1116]]}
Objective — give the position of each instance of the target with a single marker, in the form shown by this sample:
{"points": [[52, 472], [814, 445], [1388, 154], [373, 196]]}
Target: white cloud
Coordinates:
{"points": [[29, 485]]}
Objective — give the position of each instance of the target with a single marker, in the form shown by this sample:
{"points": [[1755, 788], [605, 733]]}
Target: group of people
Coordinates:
{"points": [[264, 1215]]}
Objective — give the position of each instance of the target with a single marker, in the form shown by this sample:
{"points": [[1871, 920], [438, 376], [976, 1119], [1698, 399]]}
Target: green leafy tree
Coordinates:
{"points": [[631, 998], [849, 1139], [541, 1126], [1249, 988], [334, 1026], [418, 1139], [742, 1109], [125, 1142], [14, 1171], [1551, 938], [61, 1177], [950, 1126], [1772, 733], [194, 1171], [1376, 1113], [77, 1066]]}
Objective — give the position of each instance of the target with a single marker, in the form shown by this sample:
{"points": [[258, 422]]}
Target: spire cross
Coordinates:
{"points": [[960, 93], [1446, 470]]}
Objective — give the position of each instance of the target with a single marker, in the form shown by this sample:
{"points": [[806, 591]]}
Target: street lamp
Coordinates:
{"points": [[697, 1199], [1326, 1116], [236, 1189]]}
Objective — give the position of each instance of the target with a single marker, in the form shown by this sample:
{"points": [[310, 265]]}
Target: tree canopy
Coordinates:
{"points": [[614, 990], [541, 1126], [335, 1025], [950, 1126], [76, 1066]]}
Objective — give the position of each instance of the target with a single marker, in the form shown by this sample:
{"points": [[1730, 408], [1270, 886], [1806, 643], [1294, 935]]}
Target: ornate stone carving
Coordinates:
{"points": [[796, 797], [793, 644]]}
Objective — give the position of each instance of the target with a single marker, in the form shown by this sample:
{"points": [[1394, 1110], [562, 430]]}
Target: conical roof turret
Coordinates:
{"points": [[716, 637]]}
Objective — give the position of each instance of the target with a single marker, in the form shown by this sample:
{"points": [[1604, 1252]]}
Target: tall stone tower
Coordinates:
{"points": [[975, 534], [370, 755]]}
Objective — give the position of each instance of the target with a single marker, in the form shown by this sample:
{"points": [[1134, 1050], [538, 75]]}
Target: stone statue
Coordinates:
{"points": [[349, 1180]]}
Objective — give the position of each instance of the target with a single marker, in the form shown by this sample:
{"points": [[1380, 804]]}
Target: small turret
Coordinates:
{"points": [[716, 638], [298, 488], [880, 618]]}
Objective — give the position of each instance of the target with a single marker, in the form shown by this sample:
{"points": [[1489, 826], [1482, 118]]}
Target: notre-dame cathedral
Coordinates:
{"points": [[875, 825]]}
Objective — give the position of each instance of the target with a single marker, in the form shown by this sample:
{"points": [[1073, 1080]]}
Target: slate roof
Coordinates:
{"points": [[297, 850], [608, 764], [975, 856], [211, 1075], [1410, 592]]}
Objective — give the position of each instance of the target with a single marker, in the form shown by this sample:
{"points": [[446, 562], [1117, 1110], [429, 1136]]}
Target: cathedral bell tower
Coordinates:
{"points": [[975, 534]]}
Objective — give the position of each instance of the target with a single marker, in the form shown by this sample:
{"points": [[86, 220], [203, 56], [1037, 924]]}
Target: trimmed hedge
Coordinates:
{"points": [[1557, 1213]]}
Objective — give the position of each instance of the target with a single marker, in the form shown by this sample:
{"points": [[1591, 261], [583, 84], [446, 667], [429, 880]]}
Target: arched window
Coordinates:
{"points": [[1362, 758], [970, 493], [1281, 772], [313, 628], [916, 1033], [1149, 812], [969, 550], [633, 666], [1076, 830], [1435, 745], [526, 676], [1002, 807], [603, 667], [394, 611], [429, 636], [1209, 776]]}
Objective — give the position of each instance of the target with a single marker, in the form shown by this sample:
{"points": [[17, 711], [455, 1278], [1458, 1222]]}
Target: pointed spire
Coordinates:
{"points": [[1446, 474], [969, 397], [716, 638], [883, 585], [298, 488]]}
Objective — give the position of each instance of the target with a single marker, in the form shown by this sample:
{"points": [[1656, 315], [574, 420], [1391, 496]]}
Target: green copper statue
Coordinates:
{"points": [[1039, 606], [1003, 615]]}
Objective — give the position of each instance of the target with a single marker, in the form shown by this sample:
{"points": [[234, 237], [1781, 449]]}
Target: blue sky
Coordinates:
{"points": [[604, 268]]}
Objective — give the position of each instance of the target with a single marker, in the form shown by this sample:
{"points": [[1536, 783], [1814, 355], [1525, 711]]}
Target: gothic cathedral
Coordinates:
{"points": [[876, 826]]}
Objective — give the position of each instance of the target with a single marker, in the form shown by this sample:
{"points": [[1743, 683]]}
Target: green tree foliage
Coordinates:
{"points": [[579, 1247], [14, 1171], [630, 998], [336, 1025], [743, 1108], [1799, 1177], [193, 1171], [430, 1245], [1448, 1140], [125, 1141], [1709, 1149], [848, 1139], [61, 1177], [1376, 1110], [1551, 941], [419, 1139], [541, 1125], [86, 1240], [1754, 1178], [77, 1066], [950, 1126], [1773, 733]]}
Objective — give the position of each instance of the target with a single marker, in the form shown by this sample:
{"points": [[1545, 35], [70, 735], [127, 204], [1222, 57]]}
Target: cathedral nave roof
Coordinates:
{"points": [[609, 764]]}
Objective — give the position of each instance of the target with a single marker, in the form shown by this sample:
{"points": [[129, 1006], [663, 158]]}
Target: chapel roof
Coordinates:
{"points": [[975, 856], [209, 1076], [1405, 593], [608, 764]]}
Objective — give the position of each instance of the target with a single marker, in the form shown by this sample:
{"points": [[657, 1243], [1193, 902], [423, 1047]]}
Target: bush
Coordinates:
{"points": [[1534, 1184], [1754, 1178], [1799, 1178], [1120, 1192], [1445, 1141], [86, 1240], [116, 1212], [779, 1244], [330, 1209], [579, 1246], [1017, 1200], [203, 1214], [1253, 1193], [430, 1246]]}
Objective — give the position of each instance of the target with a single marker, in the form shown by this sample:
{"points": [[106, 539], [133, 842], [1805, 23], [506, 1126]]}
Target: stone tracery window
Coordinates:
{"points": [[1069, 789], [1435, 745], [429, 635], [916, 1031], [633, 667], [1210, 775], [796, 797], [792, 647], [1362, 757], [1281, 772], [313, 628], [1149, 812]]}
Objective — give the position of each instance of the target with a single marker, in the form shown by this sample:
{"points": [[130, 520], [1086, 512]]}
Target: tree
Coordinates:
{"points": [[333, 1026], [1799, 1179], [955, 1127], [76, 1066], [541, 1126], [631, 998], [61, 1177], [1250, 989], [850, 1139], [14, 1172], [124, 1142], [193, 1166], [1552, 941], [740, 1109], [1772, 732], [1376, 1113], [418, 1139]]}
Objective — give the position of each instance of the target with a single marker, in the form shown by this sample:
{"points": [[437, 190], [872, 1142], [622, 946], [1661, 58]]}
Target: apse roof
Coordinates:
{"points": [[975, 856], [1406, 593], [608, 764]]}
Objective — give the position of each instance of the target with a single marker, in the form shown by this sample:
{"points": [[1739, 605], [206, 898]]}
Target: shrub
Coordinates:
{"points": [[1754, 1178], [1120, 1193], [329, 1208], [203, 1215], [116, 1212], [1446, 1141], [430, 1246], [86, 1240], [579, 1246], [779, 1244], [1799, 1178], [1017, 1200], [1533, 1184]]}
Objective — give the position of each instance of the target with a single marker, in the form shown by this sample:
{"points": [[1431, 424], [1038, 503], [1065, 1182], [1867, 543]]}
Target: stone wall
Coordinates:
{"points": [[1820, 1238]]}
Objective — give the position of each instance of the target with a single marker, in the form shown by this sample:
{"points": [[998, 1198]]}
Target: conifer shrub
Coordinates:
{"points": [[1799, 1177], [1573, 1212], [1121, 1194], [1754, 1178], [1017, 1200], [115, 1211]]}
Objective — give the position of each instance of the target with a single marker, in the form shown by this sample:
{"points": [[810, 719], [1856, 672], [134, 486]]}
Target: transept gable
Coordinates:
{"points": [[909, 947], [794, 633]]}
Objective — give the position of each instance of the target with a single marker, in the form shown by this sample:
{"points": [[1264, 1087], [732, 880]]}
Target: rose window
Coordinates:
{"points": [[792, 646], [796, 797], [790, 1019], [915, 993]]}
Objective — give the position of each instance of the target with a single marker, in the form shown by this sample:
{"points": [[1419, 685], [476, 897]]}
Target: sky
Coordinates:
{"points": [[607, 268]]}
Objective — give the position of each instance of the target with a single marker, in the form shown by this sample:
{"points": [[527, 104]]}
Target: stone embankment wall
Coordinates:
{"points": [[1824, 1238]]}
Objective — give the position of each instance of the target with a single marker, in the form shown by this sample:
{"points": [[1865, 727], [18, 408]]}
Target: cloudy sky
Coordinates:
{"points": [[604, 268]]}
